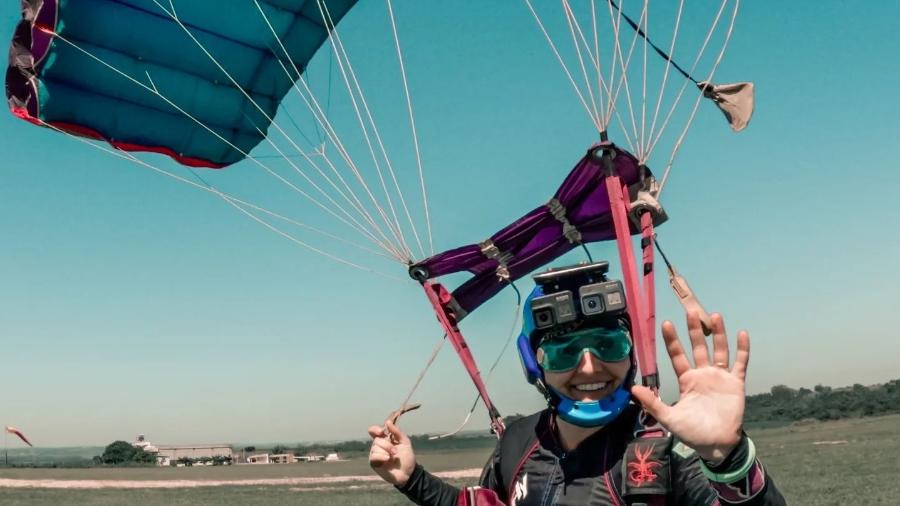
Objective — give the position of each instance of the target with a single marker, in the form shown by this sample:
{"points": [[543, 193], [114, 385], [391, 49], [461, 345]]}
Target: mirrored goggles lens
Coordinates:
{"points": [[564, 353]]}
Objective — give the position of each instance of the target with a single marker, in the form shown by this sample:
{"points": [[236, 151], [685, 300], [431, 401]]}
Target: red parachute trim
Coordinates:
{"points": [[13, 430], [83, 131]]}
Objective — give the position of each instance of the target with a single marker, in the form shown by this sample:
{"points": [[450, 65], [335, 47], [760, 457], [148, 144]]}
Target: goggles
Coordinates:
{"points": [[564, 353]]}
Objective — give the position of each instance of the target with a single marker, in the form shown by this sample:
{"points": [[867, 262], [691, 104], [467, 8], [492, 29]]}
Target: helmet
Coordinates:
{"points": [[581, 413]]}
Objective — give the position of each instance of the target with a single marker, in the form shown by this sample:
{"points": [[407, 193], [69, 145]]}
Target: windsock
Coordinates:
{"points": [[13, 430]]}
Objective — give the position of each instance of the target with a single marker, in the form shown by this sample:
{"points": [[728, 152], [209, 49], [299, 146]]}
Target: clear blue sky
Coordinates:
{"points": [[134, 304]]}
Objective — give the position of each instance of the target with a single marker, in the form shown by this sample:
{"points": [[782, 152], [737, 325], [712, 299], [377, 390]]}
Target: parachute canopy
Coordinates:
{"points": [[578, 213], [53, 77]]}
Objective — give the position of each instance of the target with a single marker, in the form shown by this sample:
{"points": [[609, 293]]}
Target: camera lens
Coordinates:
{"points": [[543, 318], [592, 304]]}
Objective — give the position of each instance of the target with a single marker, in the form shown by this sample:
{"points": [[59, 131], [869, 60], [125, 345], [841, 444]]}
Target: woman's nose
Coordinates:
{"points": [[588, 363]]}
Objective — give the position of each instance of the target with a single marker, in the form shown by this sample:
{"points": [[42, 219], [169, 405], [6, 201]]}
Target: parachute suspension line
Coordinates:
{"points": [[319, 133], [624, 64], [296, 125], [328, 97], [332, 136], [174, 16], [234, 201], [358, 207], [398, 254], [570, 19], [209, 187], [681, 91], [641, 144], [387, 245], [344, 59], [712, 72], [665, 78], [319, 145], [613, 97], [537, 18], [319, 115], [434, 353], [602, 85], [513, 332], [412, 123], [298, 241], [337, 49], [646, 38], [152, 89]]}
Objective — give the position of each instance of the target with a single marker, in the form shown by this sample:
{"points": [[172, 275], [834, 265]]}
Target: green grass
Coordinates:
{"points": [[381, 496], [862, 470]]}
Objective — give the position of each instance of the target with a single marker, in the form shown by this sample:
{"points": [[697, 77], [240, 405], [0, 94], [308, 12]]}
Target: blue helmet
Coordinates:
{"points": [[580, 413]]}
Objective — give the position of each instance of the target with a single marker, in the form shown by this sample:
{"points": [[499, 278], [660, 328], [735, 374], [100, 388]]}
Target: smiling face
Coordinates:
{"points": [[591, 380]]}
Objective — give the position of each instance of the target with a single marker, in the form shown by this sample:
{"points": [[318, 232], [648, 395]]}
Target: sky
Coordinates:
{"points": [[132, 303]]}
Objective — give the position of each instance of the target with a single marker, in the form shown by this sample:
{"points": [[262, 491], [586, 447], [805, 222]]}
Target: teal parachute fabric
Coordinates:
{"points": [[51, 79]]}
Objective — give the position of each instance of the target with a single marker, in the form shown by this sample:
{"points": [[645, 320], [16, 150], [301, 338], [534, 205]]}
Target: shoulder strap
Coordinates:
{"points": [[519, 441]]}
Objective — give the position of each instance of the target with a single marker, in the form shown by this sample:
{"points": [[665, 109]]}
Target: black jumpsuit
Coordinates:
{"points": [[530, 468]]}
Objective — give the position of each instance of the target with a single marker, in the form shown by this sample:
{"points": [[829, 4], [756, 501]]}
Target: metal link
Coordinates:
{"points": [[492, 252], [559, 212]]}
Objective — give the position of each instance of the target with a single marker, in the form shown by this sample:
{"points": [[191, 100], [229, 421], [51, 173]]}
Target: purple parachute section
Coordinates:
{"points": [[578, 213]]}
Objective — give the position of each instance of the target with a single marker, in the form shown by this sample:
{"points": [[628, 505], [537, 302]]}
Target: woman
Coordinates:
{"points": [[598, 441]]}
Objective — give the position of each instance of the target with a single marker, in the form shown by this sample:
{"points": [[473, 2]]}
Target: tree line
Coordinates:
{"points": [[785, 404], [782, 404]]}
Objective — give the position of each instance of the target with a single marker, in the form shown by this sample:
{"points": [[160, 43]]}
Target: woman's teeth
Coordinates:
{"points": [[590, 387]]}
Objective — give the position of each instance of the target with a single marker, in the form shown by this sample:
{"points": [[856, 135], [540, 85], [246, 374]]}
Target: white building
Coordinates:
{"points": [[282, 458], [169, 455], [262, 458]]}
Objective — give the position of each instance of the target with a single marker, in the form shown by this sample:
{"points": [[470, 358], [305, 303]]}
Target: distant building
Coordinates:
{"points": [[141, 442], [170, 455], [282, 458], [258, 459]]}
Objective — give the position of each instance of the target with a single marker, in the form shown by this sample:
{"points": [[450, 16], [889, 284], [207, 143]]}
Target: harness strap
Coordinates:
{"points": [[647, 239], [643, 339], [442, 302]]}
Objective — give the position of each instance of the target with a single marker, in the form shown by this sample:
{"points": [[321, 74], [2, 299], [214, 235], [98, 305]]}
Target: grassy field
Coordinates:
{"points": [[832, 463]]}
